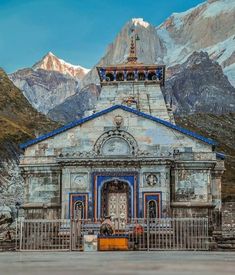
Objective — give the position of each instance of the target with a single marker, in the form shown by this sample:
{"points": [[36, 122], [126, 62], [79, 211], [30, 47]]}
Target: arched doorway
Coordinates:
{"points": [[115, 202]]}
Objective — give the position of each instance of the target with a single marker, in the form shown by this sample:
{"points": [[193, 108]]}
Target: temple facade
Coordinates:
{"points": [[126, 159]]}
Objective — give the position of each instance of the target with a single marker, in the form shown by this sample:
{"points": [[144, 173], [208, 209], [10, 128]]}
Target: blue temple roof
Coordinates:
{"points": [[125, 108]]}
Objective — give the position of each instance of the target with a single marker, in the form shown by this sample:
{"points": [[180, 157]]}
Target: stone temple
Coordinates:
{"points": [[127, 159]]}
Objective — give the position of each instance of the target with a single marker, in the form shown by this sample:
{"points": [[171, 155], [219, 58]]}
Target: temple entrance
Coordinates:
{"points": [[115, 202]]}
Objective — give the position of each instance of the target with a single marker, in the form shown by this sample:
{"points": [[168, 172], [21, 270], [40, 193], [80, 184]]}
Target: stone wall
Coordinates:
{"points": [[228, 219]]}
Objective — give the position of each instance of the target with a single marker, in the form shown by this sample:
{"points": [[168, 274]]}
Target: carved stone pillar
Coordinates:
{"points": [[216, 215]]}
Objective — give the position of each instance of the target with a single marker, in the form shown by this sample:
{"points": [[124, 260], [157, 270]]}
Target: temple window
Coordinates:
{"points": [[109, 77], [130, 76], [152, 76], [141, 76], [120, 77]]}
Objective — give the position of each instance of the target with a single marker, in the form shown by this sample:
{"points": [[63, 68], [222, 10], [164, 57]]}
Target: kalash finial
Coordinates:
{"points": [[132, 58]]}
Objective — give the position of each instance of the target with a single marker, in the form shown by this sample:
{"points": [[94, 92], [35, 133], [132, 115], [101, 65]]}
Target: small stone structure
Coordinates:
{"points": [[126, 159]]}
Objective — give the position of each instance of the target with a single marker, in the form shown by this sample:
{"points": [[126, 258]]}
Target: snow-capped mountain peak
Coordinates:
{"points": [[208, 27], [51, 62], [140, 21]]}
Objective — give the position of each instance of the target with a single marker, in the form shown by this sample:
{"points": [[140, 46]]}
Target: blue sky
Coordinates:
{"points": [[77, 31]]}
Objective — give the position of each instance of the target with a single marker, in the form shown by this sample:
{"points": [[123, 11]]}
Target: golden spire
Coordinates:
{"points": [[132, 58]]}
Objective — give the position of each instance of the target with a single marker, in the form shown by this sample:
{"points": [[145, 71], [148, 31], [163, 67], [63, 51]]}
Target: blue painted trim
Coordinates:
{"points": [[149, 194], [80, 194], [110, 109], [220, 155], [130, 177]]}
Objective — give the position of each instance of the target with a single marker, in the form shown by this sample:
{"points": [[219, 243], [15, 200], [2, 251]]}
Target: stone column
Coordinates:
{"points": [[65, 190], [216, 194]]}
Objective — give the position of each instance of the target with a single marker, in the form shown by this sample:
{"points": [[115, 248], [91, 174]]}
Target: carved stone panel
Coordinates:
{"points": [[116, 146], [79, 181], [152, 180], [116, 142], [191, 185]]}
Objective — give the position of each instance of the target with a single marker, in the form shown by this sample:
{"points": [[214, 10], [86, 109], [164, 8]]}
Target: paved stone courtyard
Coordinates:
{"points": [[166, 263]]}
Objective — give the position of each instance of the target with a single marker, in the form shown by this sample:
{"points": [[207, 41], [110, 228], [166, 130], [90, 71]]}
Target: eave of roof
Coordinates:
{"points": [[103, 112], [220, 155]]}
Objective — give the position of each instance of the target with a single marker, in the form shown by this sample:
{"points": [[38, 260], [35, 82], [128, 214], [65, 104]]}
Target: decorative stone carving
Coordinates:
{"points": [[79, 181], [115, 146], [191, 185], [152, 179], [116, 142], [118, 121]]}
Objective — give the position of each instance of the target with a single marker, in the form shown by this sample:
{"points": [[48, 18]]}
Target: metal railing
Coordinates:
{"points": [[143, 234], [44, 235], [169, 234]]}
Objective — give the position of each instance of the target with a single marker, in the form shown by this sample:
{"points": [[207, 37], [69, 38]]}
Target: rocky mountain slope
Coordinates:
{"points": [[222, 129], [199, 85], [49, 82], [208, 27], [77, 105], [19, 121], [149, 48], [44, 89]]}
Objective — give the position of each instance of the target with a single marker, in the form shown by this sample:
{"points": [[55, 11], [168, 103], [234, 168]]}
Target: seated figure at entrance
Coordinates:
{"points": [[106, 227]]}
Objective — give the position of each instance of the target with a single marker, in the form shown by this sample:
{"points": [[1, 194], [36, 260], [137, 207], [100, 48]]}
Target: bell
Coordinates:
{"points": [[137, 37]]}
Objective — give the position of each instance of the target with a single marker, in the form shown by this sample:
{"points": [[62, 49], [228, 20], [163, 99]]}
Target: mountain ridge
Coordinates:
{"points": [[51, 62]]}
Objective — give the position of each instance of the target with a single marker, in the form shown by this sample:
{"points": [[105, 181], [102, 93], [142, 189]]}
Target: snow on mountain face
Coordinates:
{"points": [[49, 82], [199, 86], [217, 7], [208, 27], [44, 89], [171, 43], [52, 63]]}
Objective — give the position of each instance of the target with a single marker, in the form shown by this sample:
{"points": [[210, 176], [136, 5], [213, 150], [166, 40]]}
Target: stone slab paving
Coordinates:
{"points": [[144, 263]]}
